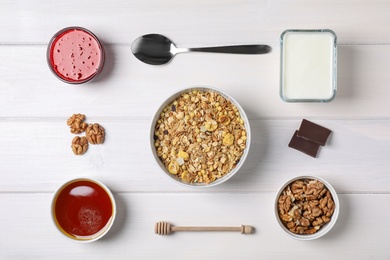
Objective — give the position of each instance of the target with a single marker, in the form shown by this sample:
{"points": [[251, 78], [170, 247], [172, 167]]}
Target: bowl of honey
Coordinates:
{"points": [[83, 210]]}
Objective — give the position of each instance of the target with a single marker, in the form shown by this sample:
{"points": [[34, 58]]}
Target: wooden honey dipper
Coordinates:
{"points": [[164, 228]]}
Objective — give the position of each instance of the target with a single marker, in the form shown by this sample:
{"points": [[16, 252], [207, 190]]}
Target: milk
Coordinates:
{"points": [[308, 66]]}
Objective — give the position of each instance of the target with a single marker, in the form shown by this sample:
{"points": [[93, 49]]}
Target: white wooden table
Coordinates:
{"points": [[35, 154]]}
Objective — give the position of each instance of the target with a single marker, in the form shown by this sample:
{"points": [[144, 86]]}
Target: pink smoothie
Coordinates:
{"points": [[76, 55]]}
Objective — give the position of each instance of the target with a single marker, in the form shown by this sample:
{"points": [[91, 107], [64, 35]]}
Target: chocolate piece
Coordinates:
{"points": [[304, 146], [313, 132]]}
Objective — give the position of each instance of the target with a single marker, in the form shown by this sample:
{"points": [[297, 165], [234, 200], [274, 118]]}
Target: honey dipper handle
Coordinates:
{"points": [[243, 229], [164, 228], [205, 228]]}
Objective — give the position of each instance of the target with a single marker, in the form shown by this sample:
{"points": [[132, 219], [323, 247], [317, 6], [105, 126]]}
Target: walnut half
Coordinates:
{"points": [[95, 134], [77, 124], [79, 145]]}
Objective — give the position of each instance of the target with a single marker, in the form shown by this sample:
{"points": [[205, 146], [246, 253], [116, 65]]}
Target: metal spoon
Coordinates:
{"points": [[156, 49]]}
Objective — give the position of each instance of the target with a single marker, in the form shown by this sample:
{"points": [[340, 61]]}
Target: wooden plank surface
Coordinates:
{"points": [[354, 159], [35, 154], [195, 22], [31, 233], [127, 89]]}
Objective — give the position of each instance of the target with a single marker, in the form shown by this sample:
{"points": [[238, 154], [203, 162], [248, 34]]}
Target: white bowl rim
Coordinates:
{"points": [[324, 229], [106, 228], [172, 97]]}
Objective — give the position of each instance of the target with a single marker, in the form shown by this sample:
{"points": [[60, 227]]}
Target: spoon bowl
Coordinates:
{"points": [[156, 49]]}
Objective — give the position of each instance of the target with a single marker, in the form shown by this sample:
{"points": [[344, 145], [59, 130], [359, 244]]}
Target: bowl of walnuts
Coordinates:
{"points": [[306, 207], [200, 137]]}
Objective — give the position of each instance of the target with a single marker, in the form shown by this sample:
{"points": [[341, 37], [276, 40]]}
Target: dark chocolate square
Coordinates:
{"points": [[313, 132], [303, 145]]}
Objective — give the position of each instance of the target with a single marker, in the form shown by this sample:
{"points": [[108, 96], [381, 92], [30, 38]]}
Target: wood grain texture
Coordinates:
{"points": [[195, 22], [129, 88], [36, 158], [31, 233]]}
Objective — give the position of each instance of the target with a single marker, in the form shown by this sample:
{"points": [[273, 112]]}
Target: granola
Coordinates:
{"points": [[200, 136], [305, 206]]}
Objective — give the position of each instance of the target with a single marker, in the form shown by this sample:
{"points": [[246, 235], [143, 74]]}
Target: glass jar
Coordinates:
{"points": [[75, 55], [308, 66]]}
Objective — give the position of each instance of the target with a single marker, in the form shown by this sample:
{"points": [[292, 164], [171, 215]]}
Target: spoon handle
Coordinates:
{"points": [[235, 49]]}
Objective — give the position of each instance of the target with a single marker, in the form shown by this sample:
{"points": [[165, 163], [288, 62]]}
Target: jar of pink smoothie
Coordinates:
{"points": [[75, 55]]}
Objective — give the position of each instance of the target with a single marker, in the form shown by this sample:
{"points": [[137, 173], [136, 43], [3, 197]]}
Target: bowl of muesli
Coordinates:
{"points": [[200, 137], [306, 207]]}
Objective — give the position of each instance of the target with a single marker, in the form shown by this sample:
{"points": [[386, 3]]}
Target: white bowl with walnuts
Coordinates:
{"points": [[200, 137], [306, 207]]}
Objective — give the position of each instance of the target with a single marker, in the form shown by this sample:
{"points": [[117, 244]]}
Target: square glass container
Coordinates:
{"points": [[308, 65]]}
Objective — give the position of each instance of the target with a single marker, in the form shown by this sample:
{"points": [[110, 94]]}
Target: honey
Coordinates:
{"points": [[83, 209]]}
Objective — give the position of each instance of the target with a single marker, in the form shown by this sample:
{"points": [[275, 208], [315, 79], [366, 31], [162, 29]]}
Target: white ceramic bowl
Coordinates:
{"points": [[325, 228], [217, 181], [83, 204]]}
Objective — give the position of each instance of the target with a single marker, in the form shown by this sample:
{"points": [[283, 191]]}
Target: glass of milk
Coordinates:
{"points": [[308, 71]]}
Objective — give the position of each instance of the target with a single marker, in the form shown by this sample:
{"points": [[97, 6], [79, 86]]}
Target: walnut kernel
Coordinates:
{"points": [[77, 124], [79, 145], [305, 206], [95, 134]]}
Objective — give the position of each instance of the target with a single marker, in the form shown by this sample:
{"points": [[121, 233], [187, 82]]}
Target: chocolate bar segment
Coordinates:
{"points": [[313, 132], [304, 146]]}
